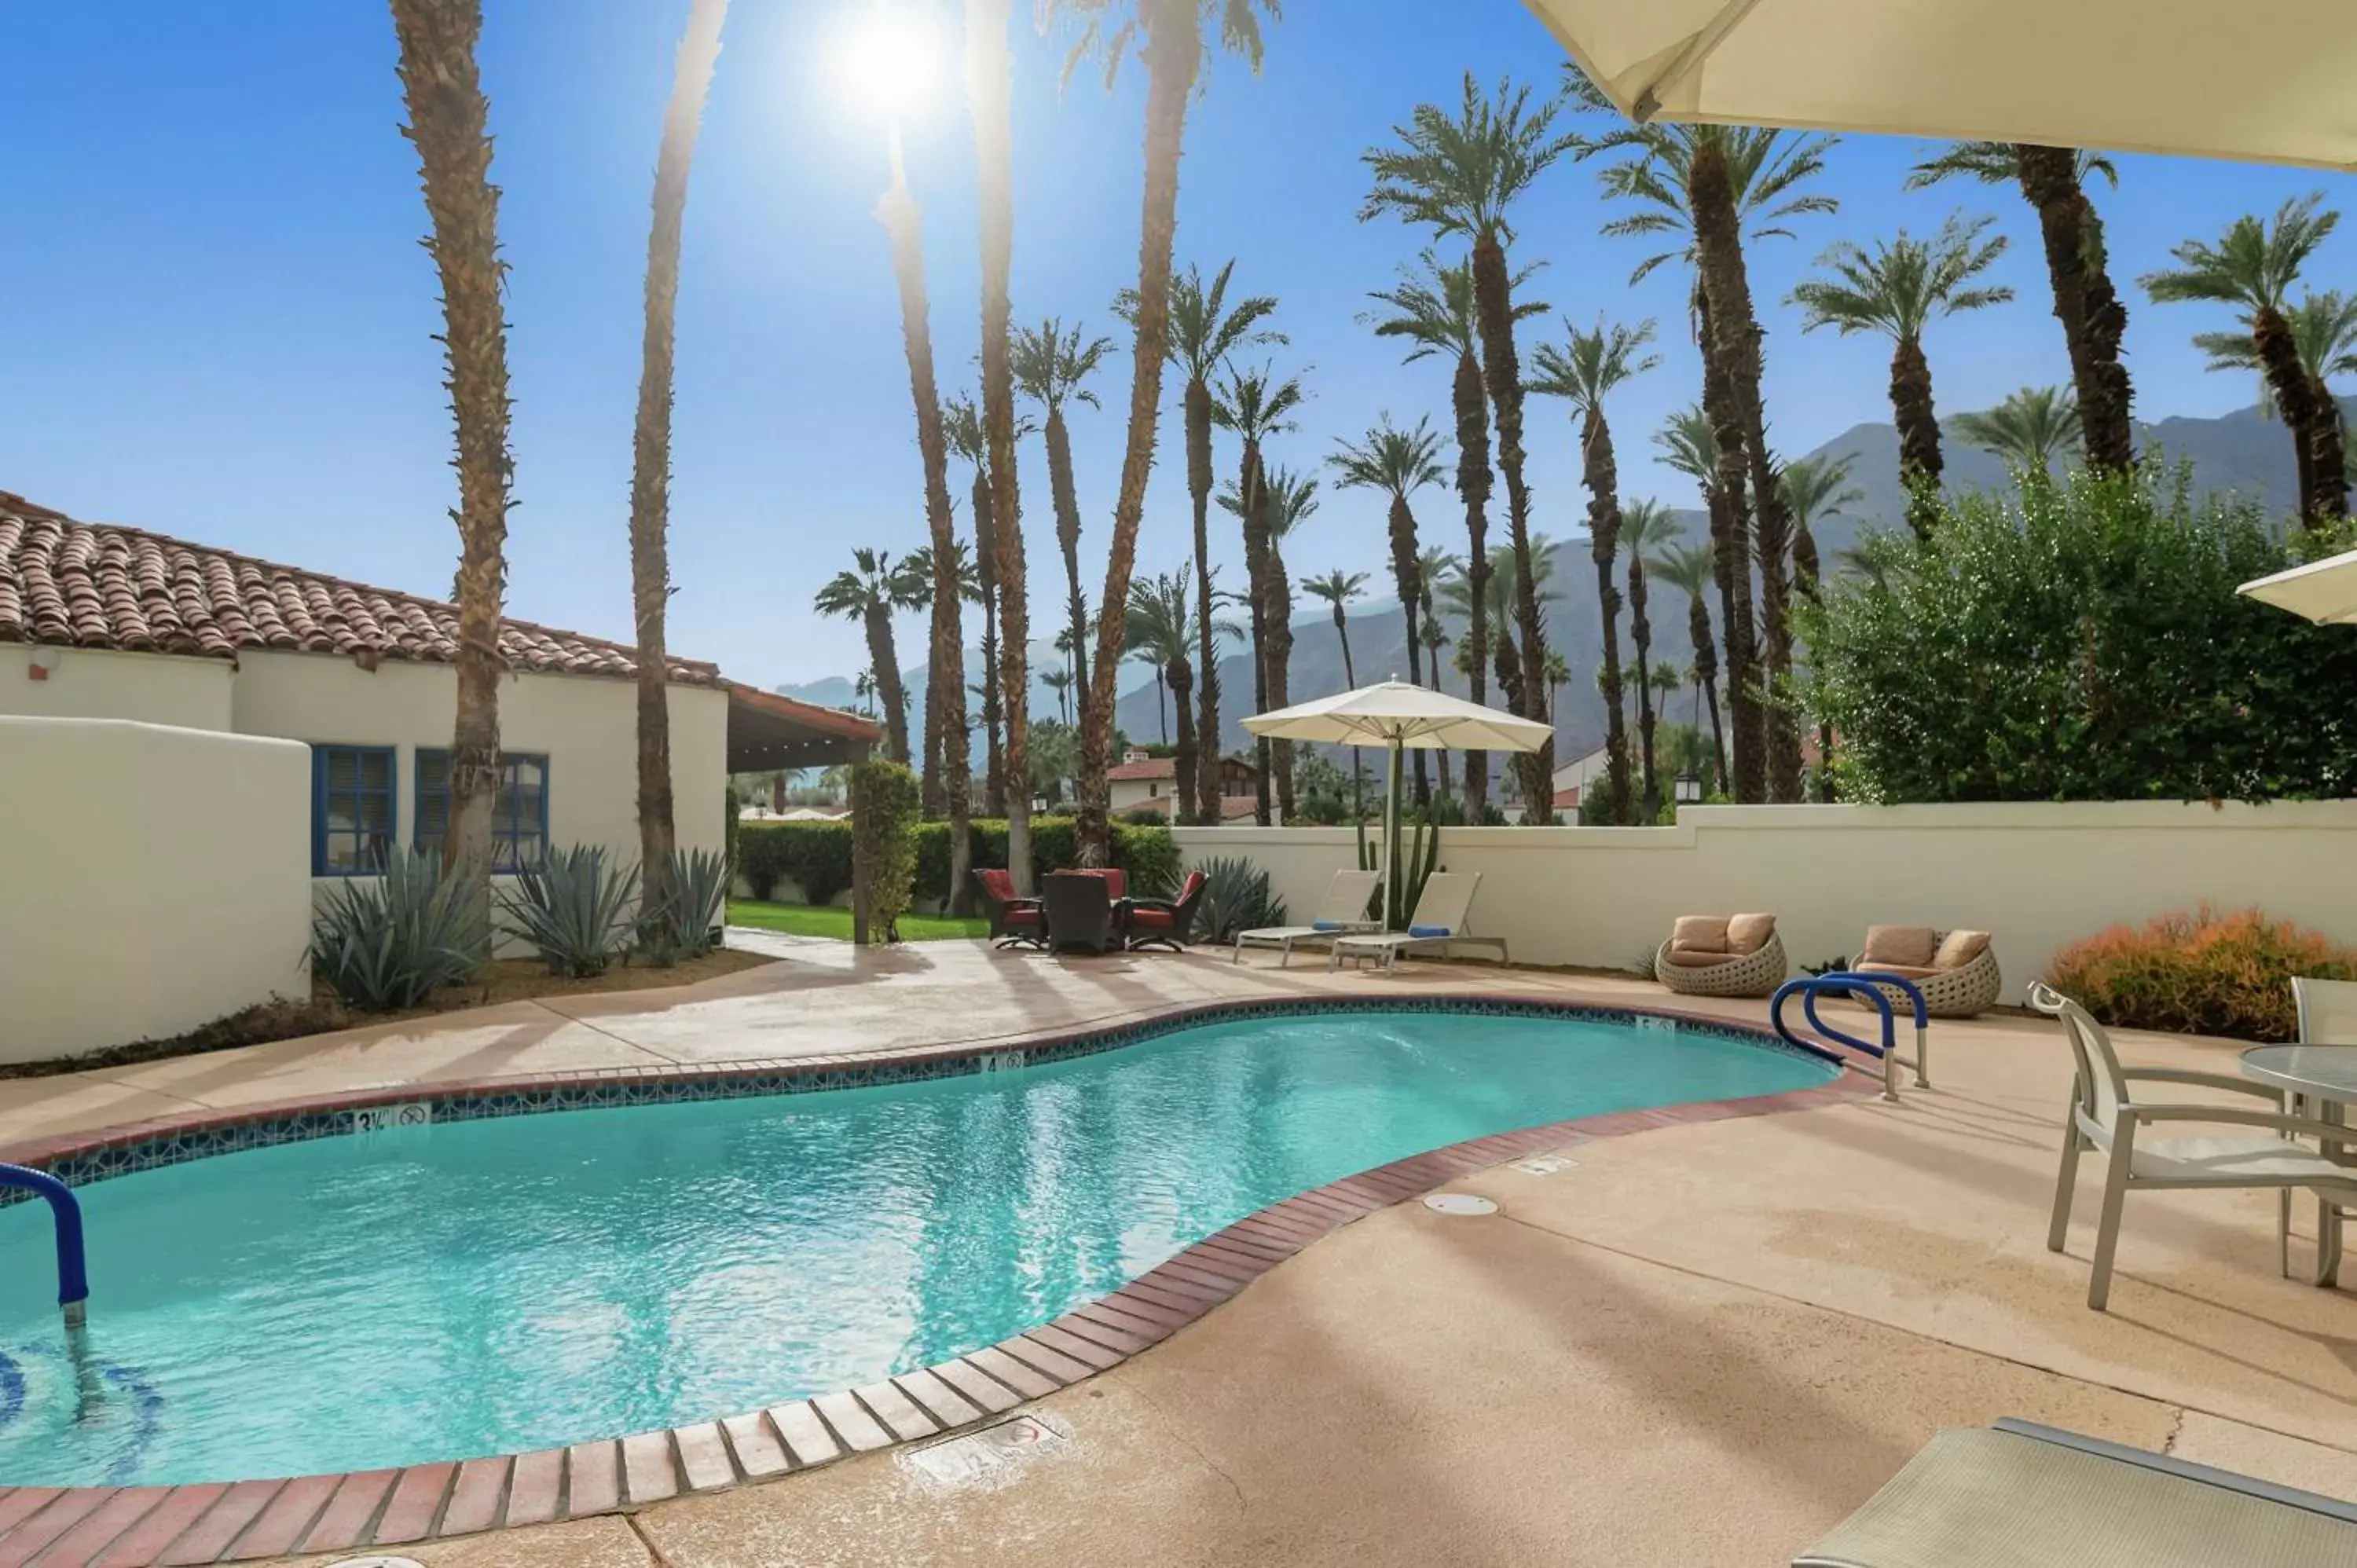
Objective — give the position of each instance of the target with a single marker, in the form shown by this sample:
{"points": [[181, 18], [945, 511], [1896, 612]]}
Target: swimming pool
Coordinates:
{"points": [[520, 1282]]}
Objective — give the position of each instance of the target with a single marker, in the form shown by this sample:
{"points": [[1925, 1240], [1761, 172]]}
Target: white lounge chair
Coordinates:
{"points": [[1343, 910], [1438, 922], [2104, 1117]]}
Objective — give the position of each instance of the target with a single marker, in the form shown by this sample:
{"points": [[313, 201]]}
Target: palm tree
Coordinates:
{"points": [[449, 125], [1646, 528], [1284, 500], [1433, 308], [1587, 369], [962, 424], [1689, 442], [1255, 406], [1173, 38], [1204, 330], [1159, 634], [1554, 675], [2031, 430], [2054, 180], [1897, 289], [650, 449], [1689, 569], [2252, 267], [1818, 487], [1706, 184], [1060, 682], [1460, 177], [2324, 330], [1398, 462], [1432, 566], [1340, 588], [869, 594], [1051, 367], [1500, 588]]}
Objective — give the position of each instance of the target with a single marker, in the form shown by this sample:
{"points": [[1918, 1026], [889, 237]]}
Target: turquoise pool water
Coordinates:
{"points": [[498, 1285]]}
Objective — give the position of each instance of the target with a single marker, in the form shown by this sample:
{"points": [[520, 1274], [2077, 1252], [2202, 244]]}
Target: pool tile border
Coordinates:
{"points": [[149, 1527]]}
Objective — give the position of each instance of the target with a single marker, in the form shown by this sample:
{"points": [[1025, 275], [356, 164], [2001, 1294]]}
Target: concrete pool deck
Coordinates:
{"points": [[1698, 1344]]}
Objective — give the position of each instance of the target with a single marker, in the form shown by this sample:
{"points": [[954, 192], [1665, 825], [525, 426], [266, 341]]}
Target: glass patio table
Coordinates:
{"points": [[2324, 1076]]}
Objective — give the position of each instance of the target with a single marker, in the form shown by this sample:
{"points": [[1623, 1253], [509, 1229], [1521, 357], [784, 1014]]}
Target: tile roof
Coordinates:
{"points": [[84, 585], [1151, 767]]}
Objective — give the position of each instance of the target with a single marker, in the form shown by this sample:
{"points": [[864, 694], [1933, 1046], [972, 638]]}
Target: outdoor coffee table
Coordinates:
{"points": [[2325, 1076]]}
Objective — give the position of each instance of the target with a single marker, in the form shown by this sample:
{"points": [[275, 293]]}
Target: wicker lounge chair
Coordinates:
{"points": [[1344, 909], [1955, 970], [2033, 1497], [1438, 922], [1757, 972]]}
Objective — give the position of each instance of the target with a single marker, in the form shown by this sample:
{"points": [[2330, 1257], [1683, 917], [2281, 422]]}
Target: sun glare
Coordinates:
{"points": [[887, 60]]}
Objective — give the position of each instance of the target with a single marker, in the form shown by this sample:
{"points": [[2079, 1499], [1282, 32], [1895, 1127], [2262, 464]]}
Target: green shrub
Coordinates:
{"points": [[2203, 974], [390, 942], [815, 856], [1236, 898], [2081, 643], [884, 807], [575, 909]]}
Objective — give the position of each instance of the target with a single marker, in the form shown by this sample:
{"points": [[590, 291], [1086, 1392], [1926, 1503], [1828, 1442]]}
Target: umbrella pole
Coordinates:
{"points": [[1391, 832]]}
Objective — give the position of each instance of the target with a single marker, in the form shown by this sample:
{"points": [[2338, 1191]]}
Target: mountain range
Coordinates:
{"points": [[2244, 453]]}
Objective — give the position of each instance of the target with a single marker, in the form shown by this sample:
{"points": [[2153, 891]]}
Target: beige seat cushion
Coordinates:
{"points": [[1700, 934], [1910, 945], [1746, 934], [1958, 949], [1904, 971], [1699, 960]]}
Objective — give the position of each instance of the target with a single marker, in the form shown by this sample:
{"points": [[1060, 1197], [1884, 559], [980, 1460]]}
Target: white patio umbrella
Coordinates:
{"points": [[1398, 716], [2265, 81], [2322, 590]]}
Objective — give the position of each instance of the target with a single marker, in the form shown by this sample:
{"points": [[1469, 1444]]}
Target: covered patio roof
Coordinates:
{"points": [[767, 731]]}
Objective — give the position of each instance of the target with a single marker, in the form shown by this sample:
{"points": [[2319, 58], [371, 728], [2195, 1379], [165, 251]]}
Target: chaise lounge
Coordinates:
{"points": [[1344, 909], [1955, 970], [1722, 955], [1439, 922]]}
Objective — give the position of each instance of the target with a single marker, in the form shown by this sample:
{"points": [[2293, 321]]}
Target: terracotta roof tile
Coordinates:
{"points": [[95, 586]]}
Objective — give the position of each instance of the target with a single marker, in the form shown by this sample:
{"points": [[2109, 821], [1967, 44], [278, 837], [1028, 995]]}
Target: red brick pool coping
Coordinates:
{"points": [[151, 1527]]}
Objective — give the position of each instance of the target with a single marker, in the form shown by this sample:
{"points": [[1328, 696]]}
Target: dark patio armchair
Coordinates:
{"points": [[1164, 922], [1079, 908], [1014, 921]]}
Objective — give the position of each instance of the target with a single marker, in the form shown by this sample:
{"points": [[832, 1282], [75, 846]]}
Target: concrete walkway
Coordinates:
{"points": [[1699, 1345]]}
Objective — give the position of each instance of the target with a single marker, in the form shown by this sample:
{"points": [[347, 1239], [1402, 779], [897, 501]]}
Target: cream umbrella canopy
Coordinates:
{"points": [[2263, 81], [1397, 716], [2324, 591]]}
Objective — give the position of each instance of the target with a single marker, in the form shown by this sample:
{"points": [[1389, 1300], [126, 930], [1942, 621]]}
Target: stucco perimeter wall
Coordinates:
{"points": [[2037, 876], [152, 880]]}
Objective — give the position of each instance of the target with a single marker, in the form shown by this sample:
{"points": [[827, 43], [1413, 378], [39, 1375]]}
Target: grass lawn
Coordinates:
{"points": [[813, 921]]}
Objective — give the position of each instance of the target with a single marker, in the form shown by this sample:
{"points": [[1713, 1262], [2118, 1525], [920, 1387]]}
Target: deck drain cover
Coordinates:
{"points": [[990, 1458], [1545, 1164], [1458, 1203]]}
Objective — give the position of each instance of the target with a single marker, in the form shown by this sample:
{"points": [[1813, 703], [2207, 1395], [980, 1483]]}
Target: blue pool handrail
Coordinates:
{"points": [[65, 1216], [1868, 988]]}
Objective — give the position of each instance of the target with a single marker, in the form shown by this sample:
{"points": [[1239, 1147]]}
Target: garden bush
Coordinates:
{"points": [[2083, 642], [817, 856], [390, 942], [2203, 974], [885, 808]]}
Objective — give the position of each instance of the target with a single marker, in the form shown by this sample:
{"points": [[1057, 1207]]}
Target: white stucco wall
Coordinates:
{"points": [[2037, 876], [152, 880], [97, 684]]}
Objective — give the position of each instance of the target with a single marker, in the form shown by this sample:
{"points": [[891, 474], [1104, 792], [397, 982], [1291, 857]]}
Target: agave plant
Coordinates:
{"points": [[1236, 898], [390, 942], [574, 908], [687, 923]]}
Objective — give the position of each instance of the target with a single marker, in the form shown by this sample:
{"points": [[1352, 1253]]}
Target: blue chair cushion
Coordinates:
{"points": [[1431, 932], [1325, 925]]}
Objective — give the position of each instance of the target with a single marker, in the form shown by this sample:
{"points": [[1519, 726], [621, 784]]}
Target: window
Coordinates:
{"points": [[351, 809], [519, 820]]}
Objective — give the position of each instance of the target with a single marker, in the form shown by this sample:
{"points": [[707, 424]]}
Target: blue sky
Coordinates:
{"points": [[220, 320]]}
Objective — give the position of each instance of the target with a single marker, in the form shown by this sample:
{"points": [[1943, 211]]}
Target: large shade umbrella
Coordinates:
{"points": [[2263, 80], [2322, 590], [1398, 716]]}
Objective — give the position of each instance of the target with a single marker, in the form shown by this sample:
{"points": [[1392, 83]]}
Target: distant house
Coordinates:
{"points": [[103, 622], [1575, 775], [1151, 783]]}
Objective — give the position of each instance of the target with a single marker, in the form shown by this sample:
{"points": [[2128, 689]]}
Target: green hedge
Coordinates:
{"points": [[817, 856]]}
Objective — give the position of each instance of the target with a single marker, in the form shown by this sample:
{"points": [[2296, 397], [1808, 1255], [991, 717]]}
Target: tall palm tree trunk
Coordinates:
{"points": [[1174, 48], [2296, 393], [1180, 676], [449, 125], [1730, 522], [1068, 537], [1473, 486], [699, 51], [1432, 664], [988, 64], [1707, 678], [2329, 447], [1601, 473], [948, 785], [1718, 246], [1493, 303], [1249, 502], [884, 659], [985, 559], [1807, 583], [1918, 435], [1279, 632], [1199, 796], [2093, 319], [1641, 631], [1406, 576]]}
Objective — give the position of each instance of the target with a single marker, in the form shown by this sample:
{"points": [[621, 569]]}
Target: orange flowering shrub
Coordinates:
{"points": [[2203, 974]]}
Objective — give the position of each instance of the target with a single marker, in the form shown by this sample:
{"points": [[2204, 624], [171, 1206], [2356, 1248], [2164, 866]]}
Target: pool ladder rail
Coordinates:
{"points": [[65, 1220], [1868, 988]]}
